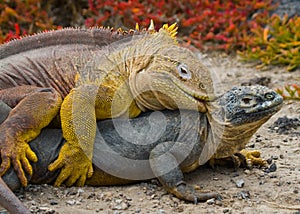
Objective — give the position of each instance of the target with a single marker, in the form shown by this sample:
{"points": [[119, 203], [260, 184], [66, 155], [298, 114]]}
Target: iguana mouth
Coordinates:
{"points": [[191, 93]]}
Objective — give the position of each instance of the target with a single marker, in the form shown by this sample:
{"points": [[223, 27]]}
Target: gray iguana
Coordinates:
{"points": [[188, 139], [84, 75]]}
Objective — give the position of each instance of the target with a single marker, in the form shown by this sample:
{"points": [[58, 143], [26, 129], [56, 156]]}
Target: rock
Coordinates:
{"points": [[71, 202], [289, 7], [239, 183], [226, 210], [272, 168], [121, 206], [244, 194], [46, 210], [161, 211], [80, 191], [269, 160], [211, 201], [53, 202], [274, 157], [138, 210]]}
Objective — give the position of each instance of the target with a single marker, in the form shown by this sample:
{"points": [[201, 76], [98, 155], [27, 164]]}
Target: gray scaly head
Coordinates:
{"points": [[236, 115]]}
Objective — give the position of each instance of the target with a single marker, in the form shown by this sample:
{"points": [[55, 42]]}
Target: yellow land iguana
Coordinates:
{"points": [[85, 75]]}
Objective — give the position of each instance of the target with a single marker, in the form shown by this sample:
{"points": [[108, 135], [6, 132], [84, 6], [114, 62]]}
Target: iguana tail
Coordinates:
{"points": [[9, 201]]}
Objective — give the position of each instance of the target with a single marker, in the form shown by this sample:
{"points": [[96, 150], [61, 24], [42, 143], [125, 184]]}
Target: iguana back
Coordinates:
{"points": [[52, 59]]}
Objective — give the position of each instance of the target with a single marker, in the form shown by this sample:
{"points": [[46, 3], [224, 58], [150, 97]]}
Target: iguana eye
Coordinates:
{"points": [[269, 96], [184, 72]]}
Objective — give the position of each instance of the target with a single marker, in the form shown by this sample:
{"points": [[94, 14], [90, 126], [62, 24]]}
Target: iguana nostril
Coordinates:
{"points": [[201, 86], [246, 100]]}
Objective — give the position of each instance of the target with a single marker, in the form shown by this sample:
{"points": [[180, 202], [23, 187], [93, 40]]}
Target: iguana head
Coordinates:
{"points": [[236, 115], [172, 77]]}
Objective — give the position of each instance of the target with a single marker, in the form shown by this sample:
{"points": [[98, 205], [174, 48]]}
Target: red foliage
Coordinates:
{"points": [[20, 17], [217, 24], [212, 24]]}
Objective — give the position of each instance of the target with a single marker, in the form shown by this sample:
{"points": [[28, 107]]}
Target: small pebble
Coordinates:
{"points": [[269, 160], [244, 194], [161, 211], [121, 206], [251, 145], [211, 201], [274, 157], [272, 167], [247, 171], [45, 209], [226, 210], [239, 183], [71, 202], [53, 202]]}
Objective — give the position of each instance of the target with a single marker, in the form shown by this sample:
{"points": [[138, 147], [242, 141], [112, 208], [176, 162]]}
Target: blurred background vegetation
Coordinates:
{"points": [[250, 28]]}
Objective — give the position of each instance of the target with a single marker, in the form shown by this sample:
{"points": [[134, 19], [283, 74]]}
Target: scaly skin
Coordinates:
{"points": [[89, 75], [185, 143]]}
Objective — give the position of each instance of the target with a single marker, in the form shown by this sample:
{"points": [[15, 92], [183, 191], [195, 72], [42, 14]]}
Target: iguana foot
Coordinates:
{"points": [[251, 158], [244, 158], [16, 153], [192, 193], [75, 166]]}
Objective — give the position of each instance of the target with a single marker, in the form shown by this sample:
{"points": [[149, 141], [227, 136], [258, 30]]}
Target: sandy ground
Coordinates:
{"points": [[276, 191]]}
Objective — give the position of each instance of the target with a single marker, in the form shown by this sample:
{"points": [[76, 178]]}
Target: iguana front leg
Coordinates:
{"points": [[79, 112], [34, 108]]}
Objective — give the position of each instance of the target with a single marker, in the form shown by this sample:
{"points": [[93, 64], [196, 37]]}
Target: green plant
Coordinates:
{"points": [[291, 92], [277, 43]]}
